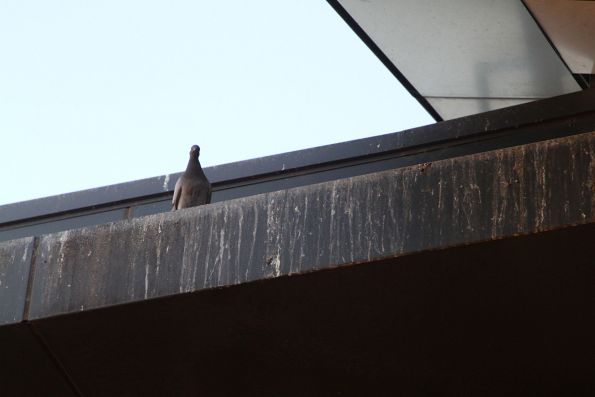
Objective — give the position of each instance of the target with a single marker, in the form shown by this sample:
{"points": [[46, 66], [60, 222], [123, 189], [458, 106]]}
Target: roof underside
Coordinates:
{"points": [[463, 57]]}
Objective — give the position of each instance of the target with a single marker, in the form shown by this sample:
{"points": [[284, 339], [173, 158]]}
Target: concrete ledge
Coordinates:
{"points": [[15, 259], [519, 190]]}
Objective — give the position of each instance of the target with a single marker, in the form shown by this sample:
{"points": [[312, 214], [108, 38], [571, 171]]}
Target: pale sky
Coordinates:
{"points": [[100, 92]]}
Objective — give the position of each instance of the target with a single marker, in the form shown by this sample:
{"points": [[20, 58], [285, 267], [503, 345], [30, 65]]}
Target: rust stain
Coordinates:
{"points": [[423, 167]]}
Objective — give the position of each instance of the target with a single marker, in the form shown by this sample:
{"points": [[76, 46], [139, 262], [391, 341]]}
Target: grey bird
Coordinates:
{"points": [[192, 188]]}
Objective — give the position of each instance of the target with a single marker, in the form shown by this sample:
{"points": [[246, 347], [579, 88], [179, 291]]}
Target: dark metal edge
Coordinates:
{"points": [[383, 58], [513, 122]]}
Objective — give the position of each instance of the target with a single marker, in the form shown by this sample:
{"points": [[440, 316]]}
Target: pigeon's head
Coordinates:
{"points": [[194, 151]]}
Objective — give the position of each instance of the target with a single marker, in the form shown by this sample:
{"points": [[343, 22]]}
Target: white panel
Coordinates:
{"points": [[451, 108], [465, 48]]}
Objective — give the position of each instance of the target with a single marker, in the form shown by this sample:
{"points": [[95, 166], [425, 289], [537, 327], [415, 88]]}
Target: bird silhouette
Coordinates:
{"points": [[192, 188]]}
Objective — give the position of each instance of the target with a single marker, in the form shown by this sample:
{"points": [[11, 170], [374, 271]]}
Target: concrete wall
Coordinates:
{"points": [[463, 200]]}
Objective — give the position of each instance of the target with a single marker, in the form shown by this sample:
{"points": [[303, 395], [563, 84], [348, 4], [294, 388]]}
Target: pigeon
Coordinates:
{"points": [[192, 188]]}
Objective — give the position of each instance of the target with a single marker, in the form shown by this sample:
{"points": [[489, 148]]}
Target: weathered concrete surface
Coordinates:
{"points": [[149, 257], [15, 259], [463, 200]]}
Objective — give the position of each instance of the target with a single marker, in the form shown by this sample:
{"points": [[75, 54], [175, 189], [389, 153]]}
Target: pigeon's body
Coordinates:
{"points": [[192, 188]]}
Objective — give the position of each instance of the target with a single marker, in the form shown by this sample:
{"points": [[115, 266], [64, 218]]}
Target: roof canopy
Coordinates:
{"points": [[461, 57]]}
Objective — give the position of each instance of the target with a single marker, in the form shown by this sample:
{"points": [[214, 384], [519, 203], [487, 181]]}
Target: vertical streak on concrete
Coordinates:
{"points": [[208, 253], [252, 241], [590, 149], [30, 278]]}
